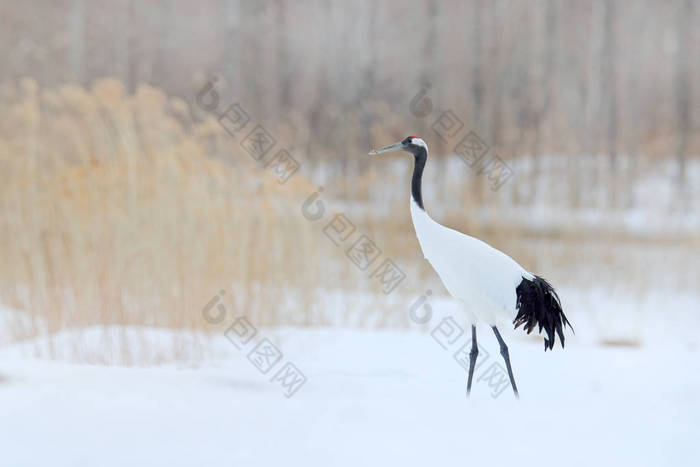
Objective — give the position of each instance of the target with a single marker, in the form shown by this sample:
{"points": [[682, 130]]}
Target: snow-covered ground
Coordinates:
{"points": [[369, 398]]}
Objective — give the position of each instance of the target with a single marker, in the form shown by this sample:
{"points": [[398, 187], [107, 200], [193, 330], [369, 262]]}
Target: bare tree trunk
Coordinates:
{"points": [[322, 89], [477, 88], [126, 46], [430, 62], [130, 53], [231, 31], [283, 62], [550, 41], [77, 40], [164, 20], [370, 75], [609, 90], [682, 90]]}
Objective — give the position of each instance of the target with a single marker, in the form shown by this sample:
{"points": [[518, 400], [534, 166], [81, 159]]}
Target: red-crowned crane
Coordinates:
{"points": [[492, 287]]}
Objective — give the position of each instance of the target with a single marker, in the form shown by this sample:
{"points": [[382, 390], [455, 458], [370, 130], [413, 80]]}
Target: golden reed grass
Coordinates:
{"points": [[123, 209], [120, 209]]}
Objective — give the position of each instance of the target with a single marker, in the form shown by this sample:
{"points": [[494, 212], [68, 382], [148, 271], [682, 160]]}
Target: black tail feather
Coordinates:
{"points": [[538, 305]]}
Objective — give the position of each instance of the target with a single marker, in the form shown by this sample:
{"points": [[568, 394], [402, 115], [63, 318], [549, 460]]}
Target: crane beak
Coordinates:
{"points": [[393, 147]]}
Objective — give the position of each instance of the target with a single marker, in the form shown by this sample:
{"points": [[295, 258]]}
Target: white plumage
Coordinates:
{"points": [[478, 275], [489, 284]]}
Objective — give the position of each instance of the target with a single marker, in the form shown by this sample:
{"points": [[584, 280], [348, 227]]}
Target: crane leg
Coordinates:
{"points": [[506, 357], [472, 360]]}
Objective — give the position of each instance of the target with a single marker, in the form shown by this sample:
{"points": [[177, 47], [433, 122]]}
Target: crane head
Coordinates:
{"points": [[412, 144]]}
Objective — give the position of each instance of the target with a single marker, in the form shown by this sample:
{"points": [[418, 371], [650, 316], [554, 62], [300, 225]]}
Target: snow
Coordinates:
{"points": [[370, 398]]}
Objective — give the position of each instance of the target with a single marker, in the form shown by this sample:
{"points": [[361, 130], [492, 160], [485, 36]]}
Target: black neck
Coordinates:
{"points": [[420, 157]]}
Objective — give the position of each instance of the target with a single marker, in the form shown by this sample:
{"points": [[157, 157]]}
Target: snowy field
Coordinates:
{"points": [[369, 398]]}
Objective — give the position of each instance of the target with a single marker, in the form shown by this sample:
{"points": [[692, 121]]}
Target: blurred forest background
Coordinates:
{"points": [[125, 202]]}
